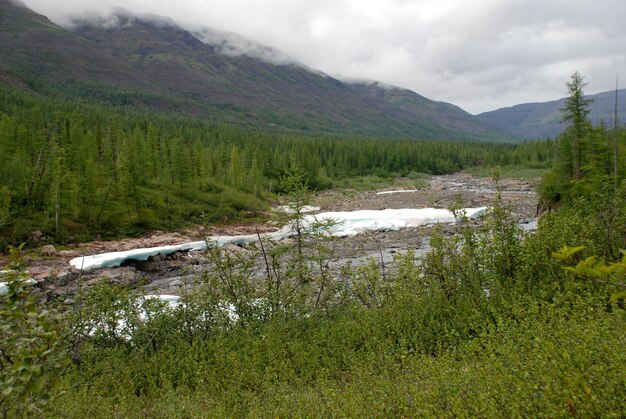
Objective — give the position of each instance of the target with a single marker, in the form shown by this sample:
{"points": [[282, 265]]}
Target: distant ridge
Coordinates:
{"points": [[543, 120], [152, 62]]}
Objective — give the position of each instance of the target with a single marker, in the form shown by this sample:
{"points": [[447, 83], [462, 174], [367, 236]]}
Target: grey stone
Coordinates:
{"points": [[176, 283], [64, 277]]}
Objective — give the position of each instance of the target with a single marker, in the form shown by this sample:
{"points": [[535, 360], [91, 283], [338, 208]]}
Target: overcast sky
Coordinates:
{"points": [[478, 54]]}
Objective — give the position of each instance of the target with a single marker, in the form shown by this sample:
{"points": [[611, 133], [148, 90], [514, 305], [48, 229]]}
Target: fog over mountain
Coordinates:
{"points": [[147, 61], [481, 55]]}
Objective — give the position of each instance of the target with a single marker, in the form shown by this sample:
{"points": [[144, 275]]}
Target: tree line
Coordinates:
{"points": [[589, 159], [78, 169], [491, 321]]}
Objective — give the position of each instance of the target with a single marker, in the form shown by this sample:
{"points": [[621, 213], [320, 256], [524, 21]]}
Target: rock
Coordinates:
{"points": [[144, 265], [198, 258], [48, 250], [37, 236], [69, 253], [40, 273], [159, 257], [64, 277], [125, 275], [181, 257], [176, 283], [233, 248]]}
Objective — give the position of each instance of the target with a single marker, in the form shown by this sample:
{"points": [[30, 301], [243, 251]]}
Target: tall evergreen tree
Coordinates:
{"points": [[576, 110]]}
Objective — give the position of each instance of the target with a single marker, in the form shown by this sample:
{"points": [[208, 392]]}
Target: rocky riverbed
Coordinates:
{"points": [[171, 274]]}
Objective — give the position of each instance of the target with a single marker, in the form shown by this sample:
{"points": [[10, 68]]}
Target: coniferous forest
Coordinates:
{"points": [[492, 321], [77, 170]]}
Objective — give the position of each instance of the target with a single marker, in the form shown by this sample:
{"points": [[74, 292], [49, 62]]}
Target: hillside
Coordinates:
{"points": [[542, 120], [154, 63]]}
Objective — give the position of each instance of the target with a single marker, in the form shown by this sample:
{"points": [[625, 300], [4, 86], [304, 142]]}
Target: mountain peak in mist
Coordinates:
{"points": [[151, 61]]}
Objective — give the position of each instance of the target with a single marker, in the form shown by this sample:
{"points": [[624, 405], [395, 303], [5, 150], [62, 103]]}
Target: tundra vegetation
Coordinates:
{"points": [[493, 321]]}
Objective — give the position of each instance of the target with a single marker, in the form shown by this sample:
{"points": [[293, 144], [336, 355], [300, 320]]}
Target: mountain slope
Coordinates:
{"points": [[34, 48], [542, 120], [154, 63]]}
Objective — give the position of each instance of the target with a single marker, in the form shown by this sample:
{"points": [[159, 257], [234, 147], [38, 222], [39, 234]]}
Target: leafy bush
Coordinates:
{"points": [[32, 346]]}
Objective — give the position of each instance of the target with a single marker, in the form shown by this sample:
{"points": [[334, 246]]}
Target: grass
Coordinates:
{"points": [[369, 183]]}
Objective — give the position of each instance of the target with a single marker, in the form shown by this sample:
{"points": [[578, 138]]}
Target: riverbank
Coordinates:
{"points": [[172, 273]]}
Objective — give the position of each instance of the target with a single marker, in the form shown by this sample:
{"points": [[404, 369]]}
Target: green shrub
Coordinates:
{"points": [[32, 347]]}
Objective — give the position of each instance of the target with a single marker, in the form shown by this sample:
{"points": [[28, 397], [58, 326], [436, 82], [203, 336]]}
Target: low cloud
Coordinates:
{"points": [[226, 43], [480, 55], [116, 18], [232, 44]]}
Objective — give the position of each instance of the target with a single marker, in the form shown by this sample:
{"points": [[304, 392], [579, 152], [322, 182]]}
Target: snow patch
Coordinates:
{"points": [[4, 286], [398, 191], [353, 222], [345, 223]]}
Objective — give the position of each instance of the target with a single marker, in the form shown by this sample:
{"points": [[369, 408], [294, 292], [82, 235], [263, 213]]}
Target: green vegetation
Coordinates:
{"points": [[32, 346], [492, 322], [591, 161], [487, 324], [162, 67], [77, 170]]}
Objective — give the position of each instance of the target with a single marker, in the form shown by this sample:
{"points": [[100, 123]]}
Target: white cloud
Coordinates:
{"points": [[480, 55]]}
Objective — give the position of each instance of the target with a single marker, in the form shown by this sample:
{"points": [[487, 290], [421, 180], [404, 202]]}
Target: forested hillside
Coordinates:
{"points": [[75, 170], [489, 321], [156, 64], [492, 321], [545, 120]]}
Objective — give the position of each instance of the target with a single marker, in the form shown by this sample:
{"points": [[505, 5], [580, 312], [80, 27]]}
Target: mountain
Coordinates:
{"points": [[542, 120], [152, 62]]}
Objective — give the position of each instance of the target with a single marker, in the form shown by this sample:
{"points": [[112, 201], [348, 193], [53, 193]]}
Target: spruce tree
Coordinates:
{"points": [[576, 110]]}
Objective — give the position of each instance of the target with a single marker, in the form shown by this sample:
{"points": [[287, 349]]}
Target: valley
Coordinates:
{"points": [[195, 224], [175, 273]]}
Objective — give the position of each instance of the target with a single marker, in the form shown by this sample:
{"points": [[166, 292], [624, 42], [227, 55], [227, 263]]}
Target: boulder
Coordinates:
{"points": [[64, 277], [37, 236], [176, 283], [48, 250], [159, 257]]}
